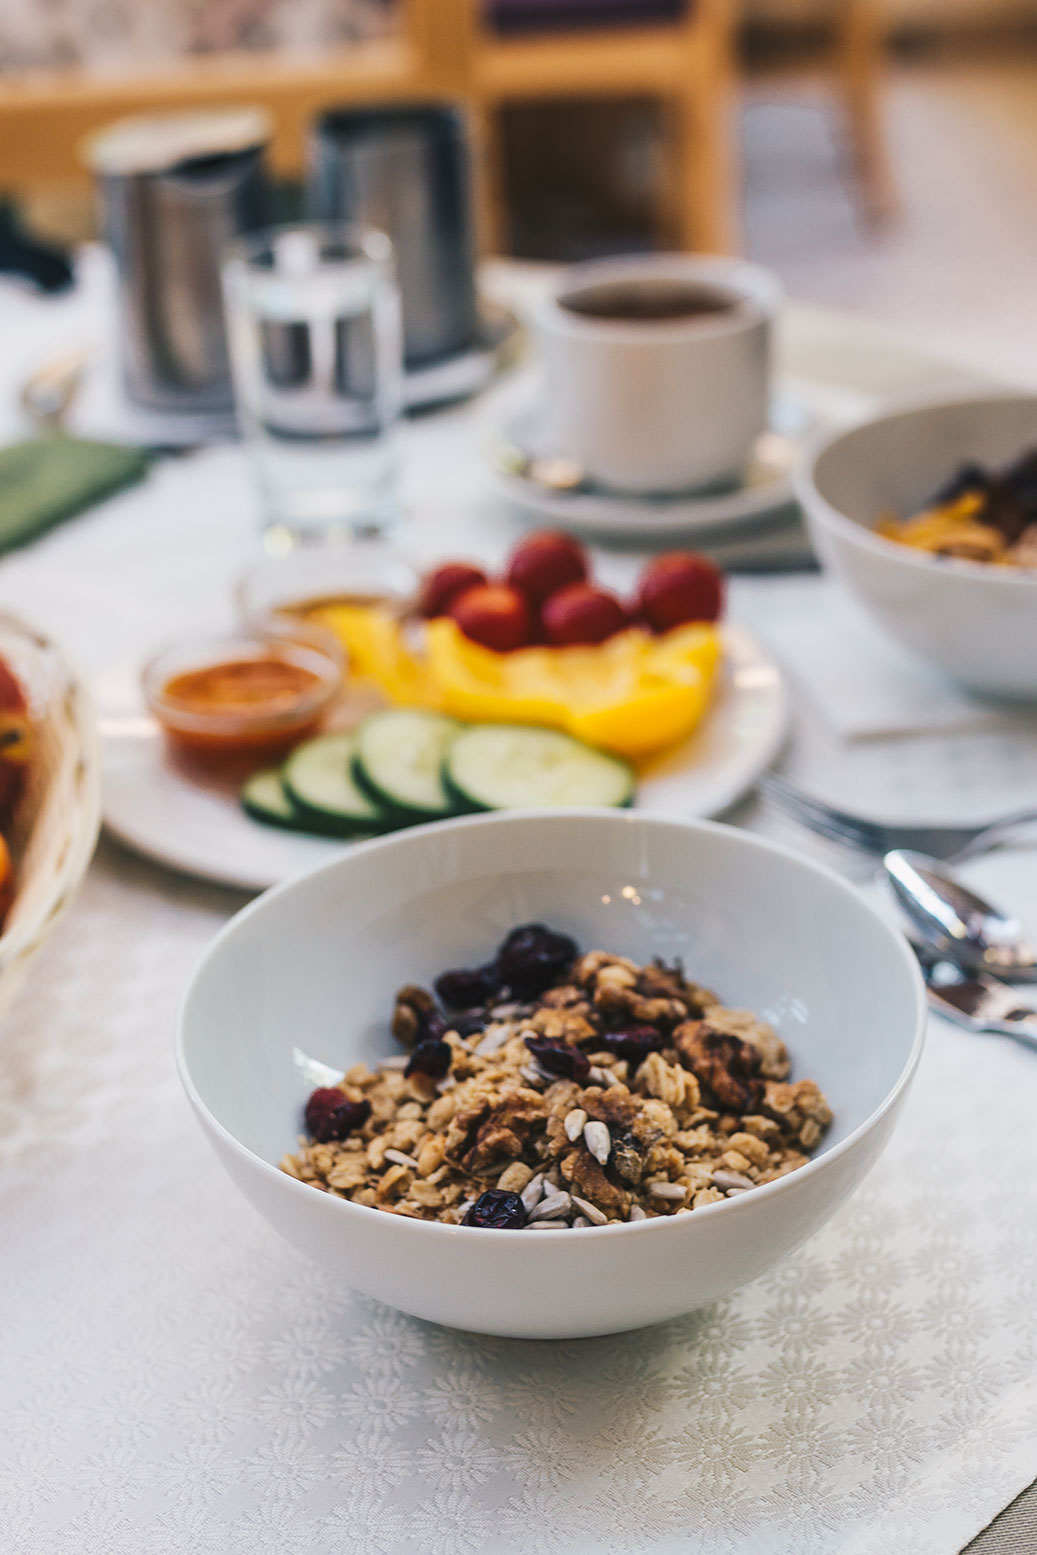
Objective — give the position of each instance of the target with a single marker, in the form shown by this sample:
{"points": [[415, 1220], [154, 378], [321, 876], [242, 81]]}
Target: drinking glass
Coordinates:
{"points": [[313, 322]]}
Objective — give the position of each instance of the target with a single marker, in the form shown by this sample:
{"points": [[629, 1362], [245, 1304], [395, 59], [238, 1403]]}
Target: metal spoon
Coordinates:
{"points": [[979, 1003], [961, 925], [49, 390]]}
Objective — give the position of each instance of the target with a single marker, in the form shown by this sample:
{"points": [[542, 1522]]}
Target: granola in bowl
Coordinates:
{"points": [[552, 1089]]}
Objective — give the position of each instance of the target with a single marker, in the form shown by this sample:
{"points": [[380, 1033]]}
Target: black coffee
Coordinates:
{"points": [[652, 300]]}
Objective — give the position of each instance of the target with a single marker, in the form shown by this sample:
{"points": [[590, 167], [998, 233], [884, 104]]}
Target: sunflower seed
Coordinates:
{"points": [[574, 1122], [581, 1220], [547, 1225], [533, 1076], [671, 1191], [506, 1011], [636, 1213], [494, 1040], [552, 1180], [532, 1192], [395, 1061], [446, 1085], [603, 1077], [598, 1141], [401, 1159], [732, 1180], [592, 1212], [552, 1205]]}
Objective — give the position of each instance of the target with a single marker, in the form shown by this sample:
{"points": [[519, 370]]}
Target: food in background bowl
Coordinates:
{"points": [[976, 622], [292, 995], [980, 515], [550, 1089]]}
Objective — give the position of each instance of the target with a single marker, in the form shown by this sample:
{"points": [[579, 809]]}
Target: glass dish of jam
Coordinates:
{"points": [[253, 694]]}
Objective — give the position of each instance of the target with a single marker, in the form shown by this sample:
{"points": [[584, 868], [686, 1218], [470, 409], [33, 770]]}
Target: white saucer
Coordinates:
{"points": [[765, 493], [154, 809]]}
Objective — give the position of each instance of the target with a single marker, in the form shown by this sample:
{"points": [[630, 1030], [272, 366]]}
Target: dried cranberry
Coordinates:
{"points": [[560, 1058], [461, 990], [634, 1044], [533, 958], [433, 1025], [331, 1115], [431, 1057], [498, 1210]]}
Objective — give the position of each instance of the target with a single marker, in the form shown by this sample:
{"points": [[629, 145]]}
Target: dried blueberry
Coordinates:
{"points": [[469, 1022], [533, 958], [331, 1115], [560, 1058], [634, 1044], [498, 1210], [462, 990], [431, 1057]]}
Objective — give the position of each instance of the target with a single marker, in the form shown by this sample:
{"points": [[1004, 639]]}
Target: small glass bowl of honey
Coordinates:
{"points": [[309, 586], [251, 695]]}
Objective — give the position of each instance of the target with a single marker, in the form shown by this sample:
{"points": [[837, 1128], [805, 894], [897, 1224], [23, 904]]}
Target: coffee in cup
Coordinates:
{"points": [[657, 368]]}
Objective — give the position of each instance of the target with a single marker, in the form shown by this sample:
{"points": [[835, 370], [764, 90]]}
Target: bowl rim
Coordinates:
{"points": [[765, 1191], [817, 506]]}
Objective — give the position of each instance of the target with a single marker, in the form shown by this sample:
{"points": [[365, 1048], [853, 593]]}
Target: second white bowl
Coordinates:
{"points": [[976, 622]]}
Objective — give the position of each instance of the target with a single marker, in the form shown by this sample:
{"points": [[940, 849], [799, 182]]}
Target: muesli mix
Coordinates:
{"points": [[551, 1089]]}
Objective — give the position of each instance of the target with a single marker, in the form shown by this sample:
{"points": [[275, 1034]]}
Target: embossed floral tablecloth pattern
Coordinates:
{"points": [[177, 1382]]}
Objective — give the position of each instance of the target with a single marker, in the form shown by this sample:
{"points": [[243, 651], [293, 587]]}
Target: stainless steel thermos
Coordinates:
{"points": [[406, 170], [175, 191]]}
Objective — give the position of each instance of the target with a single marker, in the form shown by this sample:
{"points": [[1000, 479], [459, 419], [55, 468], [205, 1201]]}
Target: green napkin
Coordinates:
{"points": [[53, 478]]}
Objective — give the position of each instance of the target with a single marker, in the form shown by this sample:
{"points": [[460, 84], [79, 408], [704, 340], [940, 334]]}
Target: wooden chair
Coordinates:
{"points": [[534, 50]]}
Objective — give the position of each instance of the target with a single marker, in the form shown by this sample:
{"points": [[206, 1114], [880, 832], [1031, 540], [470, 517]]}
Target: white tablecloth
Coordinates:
{"points": [[175, 1381]]}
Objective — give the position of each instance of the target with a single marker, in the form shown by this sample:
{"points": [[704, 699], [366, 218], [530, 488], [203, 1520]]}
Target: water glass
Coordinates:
{"points": [[313, 322]]}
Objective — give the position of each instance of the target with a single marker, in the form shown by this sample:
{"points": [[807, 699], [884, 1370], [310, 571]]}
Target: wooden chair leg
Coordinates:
{"points": [[706, 162], [489, 179], [859, 64]]}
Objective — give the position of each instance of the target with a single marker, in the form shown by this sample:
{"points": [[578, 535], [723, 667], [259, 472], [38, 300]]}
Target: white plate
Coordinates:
{"points": [[153, 808], [765, 493]]}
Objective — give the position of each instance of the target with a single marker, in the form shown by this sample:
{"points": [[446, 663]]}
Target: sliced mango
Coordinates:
{"points": [[377, 648], [634, 694]]}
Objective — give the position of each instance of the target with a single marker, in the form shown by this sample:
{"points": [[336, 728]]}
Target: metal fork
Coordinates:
{"points": [[880, 837]]}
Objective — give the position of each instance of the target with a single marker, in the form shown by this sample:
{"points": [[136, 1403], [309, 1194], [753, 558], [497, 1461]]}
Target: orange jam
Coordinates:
{"points": [[256, 701], [265, 686]]}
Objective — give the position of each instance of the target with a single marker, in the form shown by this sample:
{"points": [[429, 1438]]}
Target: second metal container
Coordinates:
{"points": [[407, 172]]}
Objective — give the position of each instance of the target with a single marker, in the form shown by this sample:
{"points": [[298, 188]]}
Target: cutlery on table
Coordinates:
{"points": [[881, 837], [979, 1003], [956, 922]]}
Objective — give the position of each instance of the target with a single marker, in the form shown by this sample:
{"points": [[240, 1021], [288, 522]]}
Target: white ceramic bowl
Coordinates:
{"points": [[308, 972], [977, 623]]}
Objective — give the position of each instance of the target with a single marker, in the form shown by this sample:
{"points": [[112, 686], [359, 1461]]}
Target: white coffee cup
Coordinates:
{"points": [[664, 403]]}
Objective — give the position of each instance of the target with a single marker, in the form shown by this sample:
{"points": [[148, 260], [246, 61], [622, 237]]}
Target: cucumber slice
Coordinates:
{"points": [[264, 799], [399, 760], [318, 780], [515, 767]]}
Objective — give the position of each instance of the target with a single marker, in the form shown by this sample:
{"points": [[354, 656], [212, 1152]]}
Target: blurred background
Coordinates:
{"points": [[879, 154]]}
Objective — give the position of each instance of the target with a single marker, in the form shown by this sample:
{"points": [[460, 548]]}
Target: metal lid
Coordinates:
{"points": [[154, 143]]}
